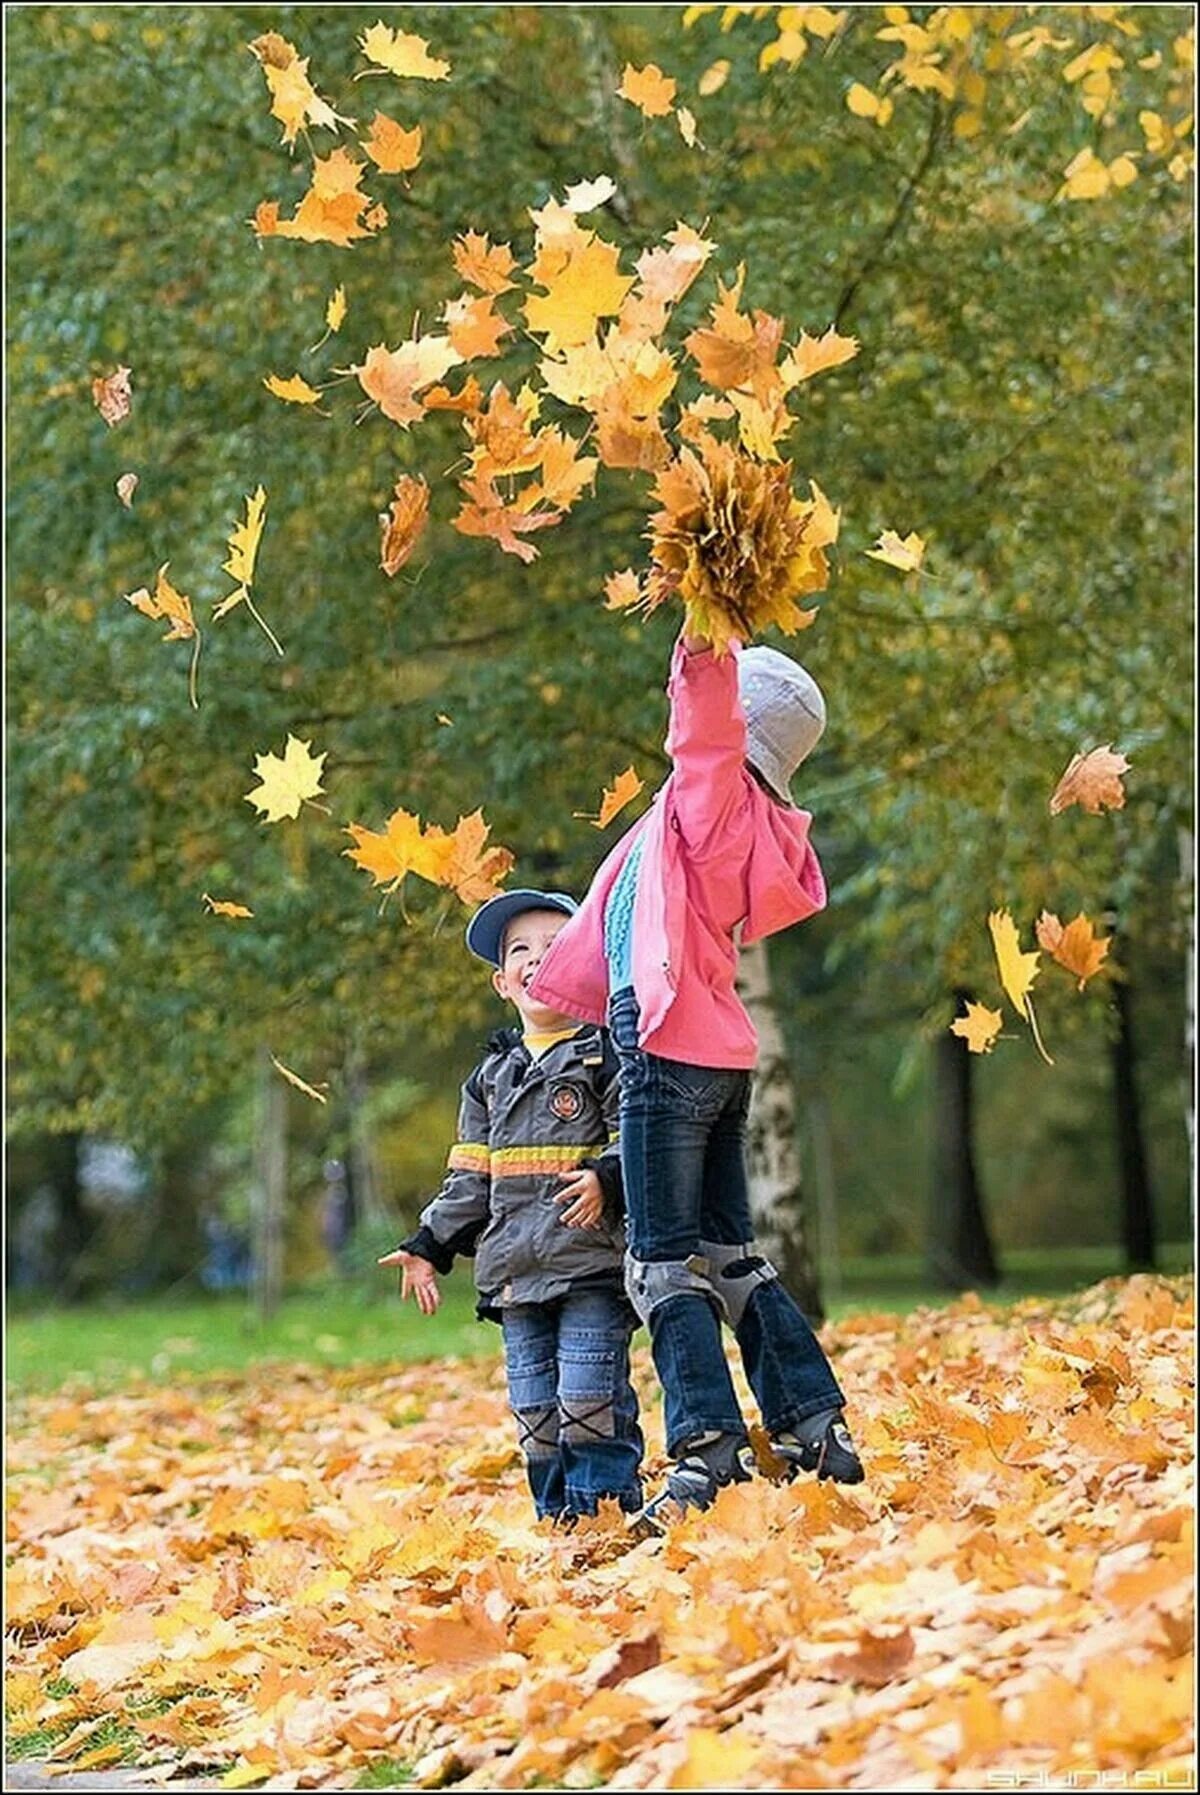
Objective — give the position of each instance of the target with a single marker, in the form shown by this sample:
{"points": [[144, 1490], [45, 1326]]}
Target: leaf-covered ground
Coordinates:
{"points": [[316, 1575]]}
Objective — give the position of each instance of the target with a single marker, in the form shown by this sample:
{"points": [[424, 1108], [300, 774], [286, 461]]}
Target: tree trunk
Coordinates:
{"points": [[772, 1155], [1137, 1195], [363, 1183], [272, 1189], [959, 1250], [76, 1226]]}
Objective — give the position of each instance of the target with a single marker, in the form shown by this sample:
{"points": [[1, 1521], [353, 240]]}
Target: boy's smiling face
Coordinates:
{"points": [[525, 940]]}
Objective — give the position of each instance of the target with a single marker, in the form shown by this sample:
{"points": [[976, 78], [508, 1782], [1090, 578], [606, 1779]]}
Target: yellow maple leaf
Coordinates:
{"points": [[332, 209], [296, 390], [474, 326], [176, 608], [714, 1760], [652, 92], [686, 120], [589, 286], [623, 591], [1076, 947], [294, 100], [301, 1084], [335, 311], [1017, 970], [979, 1027], [243, 553], [1093, 779], [400, 53], [223, 907], [391, 148], [288, 782], [714, 78], [585, 196], [905, 553], [812, 355], [624, 788]]}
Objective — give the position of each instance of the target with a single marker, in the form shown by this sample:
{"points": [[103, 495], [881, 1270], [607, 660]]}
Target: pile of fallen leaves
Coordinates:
{"points": [[299, 1573]]}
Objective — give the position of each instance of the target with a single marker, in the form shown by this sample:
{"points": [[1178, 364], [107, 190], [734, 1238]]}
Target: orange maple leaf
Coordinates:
{"points": [[474, 326], [473, 870], [624, 788], [1077, 946], [652, 92], [403, 523], [394, 377], [400, 849], [391, 148], [1093, 780], [331, 211], [482, 264], [485, 513], [737, 351], [176, 608], [294, 100]]}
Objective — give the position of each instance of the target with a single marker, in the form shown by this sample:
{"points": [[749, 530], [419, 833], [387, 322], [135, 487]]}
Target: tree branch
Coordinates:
{"points": [[893, 224]]}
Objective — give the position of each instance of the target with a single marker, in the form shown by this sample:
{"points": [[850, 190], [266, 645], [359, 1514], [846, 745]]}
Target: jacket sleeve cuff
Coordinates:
{"points": [[607, 1168], [425, 1245]]}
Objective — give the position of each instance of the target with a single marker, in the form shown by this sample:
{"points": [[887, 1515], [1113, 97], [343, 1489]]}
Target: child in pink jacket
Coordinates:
{"points": [[721, 857]]}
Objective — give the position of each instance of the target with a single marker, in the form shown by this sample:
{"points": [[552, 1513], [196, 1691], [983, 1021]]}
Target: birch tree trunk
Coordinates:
{"points": [[1187, 854], [272, 1188], [772, 1151], [369, 1207]]}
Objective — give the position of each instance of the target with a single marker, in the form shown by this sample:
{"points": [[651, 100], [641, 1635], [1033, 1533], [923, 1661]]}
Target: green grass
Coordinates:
{"points": [[105, 1346]]}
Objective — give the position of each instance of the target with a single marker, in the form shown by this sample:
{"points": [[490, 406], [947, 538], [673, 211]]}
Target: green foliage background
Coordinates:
{"points": [[1022, 399]]}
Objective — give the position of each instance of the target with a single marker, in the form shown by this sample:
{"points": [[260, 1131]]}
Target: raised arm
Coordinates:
{"points": [[706, 738]]}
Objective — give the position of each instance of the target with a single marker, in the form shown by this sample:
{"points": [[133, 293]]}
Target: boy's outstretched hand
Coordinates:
{"points": [[583, 1193], [417, 1279]]}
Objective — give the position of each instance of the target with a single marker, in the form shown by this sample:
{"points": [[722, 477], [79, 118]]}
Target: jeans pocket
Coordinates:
{"points": [[701, 1090]]}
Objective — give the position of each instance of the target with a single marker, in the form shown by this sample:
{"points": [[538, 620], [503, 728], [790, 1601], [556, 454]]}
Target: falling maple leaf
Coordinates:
{"points": [[1093, 779], [288, 782], [905, 553], [586, 287], [400, 53], [482, 264], [585, 196], [113, 396], [624, 788], [403, 522], [222, 907], [686, 120], [460, 860], [393, 149], [177, 609], [652, 92], [300, 1083], [736, 350], [127, 485], [475, 328], [394, 377], [473, 870], [295, 391], [243, 553], [389, 856], [713, 79], [812, 355], [294, 100], [979, 1027], [485, 512], [335, 317], [332, 211], [1077, 947], [623, 591], [1017, 970]]}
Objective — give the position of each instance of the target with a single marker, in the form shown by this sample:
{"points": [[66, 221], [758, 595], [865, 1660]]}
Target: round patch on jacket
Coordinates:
{"points": [[566, 1100]]}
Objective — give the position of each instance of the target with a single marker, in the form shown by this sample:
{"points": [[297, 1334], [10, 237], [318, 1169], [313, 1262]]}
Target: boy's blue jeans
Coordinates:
{"points": [[683, 1160], [568, 1383]]}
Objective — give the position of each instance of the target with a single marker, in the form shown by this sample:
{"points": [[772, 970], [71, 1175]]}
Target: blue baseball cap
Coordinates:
{"points": [[485, 931]]}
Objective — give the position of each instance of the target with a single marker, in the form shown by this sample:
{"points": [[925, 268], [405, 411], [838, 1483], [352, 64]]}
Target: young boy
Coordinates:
{"points": [[533, 1189], [721, 857]]}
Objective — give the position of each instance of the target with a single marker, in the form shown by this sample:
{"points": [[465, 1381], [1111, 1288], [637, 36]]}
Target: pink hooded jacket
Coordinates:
{"points": [[718, 852]]}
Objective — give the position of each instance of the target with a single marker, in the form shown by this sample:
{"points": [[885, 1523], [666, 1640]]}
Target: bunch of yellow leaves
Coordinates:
{"points": [[460, 861], [734, 544]]}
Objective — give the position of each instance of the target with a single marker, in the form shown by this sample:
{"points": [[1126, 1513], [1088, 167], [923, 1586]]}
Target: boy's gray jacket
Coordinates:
{"points": [[521, 1122]]}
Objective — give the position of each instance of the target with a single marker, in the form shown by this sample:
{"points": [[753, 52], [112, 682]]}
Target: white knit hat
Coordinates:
{"points": [[785, 715]]}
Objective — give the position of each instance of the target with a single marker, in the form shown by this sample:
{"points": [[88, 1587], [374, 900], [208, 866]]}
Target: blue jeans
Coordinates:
{"points": [[683, 1131], [577, 1414]]}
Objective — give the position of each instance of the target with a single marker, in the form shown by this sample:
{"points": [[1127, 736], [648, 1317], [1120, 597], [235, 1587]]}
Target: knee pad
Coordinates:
{"points": [[537, 1431], [649, 1283], [582, 1423], [736, 1272]]}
